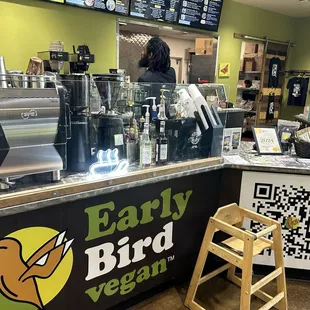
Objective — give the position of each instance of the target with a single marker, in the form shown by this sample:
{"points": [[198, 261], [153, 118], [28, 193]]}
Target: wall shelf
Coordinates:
{"points": [[270, 56], [267, 91]]}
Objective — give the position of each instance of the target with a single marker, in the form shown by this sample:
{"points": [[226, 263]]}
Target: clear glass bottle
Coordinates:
{"points": [[145, 148], [153, 137], [162, 146]]}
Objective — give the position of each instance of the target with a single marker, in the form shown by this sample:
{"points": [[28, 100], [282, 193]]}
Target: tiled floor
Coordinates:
{"points": [[218, 294]]}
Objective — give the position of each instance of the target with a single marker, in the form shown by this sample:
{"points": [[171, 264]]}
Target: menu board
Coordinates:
{"points": [[112, 6], [203, 14], [159, 10], [57, 1]]}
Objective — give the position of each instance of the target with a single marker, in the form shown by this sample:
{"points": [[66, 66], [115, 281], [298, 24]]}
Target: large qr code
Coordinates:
{"points": [[279, 203], [280, 197]]}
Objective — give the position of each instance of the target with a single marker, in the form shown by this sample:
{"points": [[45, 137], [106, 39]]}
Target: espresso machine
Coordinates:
{"points": [[34, 128]]}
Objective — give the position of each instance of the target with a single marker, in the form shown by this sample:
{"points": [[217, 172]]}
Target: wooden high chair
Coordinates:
{"points": [[238, 251]]}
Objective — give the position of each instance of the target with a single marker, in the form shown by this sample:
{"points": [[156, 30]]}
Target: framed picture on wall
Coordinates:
{"points": [[224, 69], [267, 140]]}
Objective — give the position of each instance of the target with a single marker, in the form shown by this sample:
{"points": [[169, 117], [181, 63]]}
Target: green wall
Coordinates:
{"points": [[28, 26], [244, 19]]}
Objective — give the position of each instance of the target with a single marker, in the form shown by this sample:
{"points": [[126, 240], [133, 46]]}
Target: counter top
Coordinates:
{"points": [[248, 159], [80, 186]]}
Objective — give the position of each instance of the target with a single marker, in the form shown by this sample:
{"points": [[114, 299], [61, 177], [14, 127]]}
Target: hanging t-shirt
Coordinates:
{"points": [[298, 88], [270, 107], [274, 70]]}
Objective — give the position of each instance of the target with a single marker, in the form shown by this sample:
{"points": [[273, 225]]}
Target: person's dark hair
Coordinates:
{"points": [[160, 50]]}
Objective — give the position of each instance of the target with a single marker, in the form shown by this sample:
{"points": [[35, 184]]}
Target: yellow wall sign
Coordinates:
{"points": [[224, 69]]}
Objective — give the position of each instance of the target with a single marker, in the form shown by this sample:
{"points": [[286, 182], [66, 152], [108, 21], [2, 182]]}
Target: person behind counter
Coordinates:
{"points": [[156, 58]]}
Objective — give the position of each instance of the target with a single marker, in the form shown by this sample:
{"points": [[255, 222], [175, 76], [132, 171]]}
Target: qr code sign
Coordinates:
{"points": [[282, 197]]}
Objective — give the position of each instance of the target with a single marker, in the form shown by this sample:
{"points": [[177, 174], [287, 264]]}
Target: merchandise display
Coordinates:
{"points": [[287, 130], [275, 67], [271, 106], [298, 88]]}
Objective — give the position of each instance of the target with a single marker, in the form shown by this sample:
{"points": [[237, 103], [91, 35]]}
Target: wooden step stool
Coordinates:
{"points": [[238, 251]]}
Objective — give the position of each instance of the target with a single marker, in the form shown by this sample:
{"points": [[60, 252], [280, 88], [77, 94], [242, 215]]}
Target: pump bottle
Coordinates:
{"points": [[162, 106], [154, 108]]}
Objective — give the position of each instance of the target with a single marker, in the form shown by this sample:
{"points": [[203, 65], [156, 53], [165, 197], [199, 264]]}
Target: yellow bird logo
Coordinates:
{"points": [[18, 283]]}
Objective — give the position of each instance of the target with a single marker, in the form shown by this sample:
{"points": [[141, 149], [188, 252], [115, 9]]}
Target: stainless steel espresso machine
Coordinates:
{"points": [[34, 128]]}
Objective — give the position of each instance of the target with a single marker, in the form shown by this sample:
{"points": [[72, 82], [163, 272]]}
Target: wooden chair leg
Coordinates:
{"points": [[203, 254], [279, 263], [231, 273], [232, 270], [246, 285]]}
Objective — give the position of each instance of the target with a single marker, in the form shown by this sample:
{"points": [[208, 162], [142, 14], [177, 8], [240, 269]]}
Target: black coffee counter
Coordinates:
{"points": [[134, 233]]}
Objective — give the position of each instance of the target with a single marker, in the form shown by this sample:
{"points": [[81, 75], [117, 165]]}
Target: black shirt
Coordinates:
{"points": [[274, 67], [158, 77], [270, 107], [298, 88]]}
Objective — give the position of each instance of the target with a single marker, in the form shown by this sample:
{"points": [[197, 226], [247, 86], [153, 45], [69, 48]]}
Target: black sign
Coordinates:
{"points": [[204, 14], [101, 251], [110, 6], [57, 1], [159, 10]]}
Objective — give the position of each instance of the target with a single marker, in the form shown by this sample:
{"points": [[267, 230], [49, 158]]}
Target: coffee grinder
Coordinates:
{"points": [[79, 147], [108, 122], [78, 86]]}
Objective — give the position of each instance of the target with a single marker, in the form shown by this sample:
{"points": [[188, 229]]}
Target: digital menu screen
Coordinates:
{"points": [[57, 1], [159, 10], [112, 6], [203, 14]]}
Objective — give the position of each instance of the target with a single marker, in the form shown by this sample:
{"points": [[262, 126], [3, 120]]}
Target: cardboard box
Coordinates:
{"points": [[258, 63], [250, 48], [241, 65], [204, 46], [249, 64]]}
